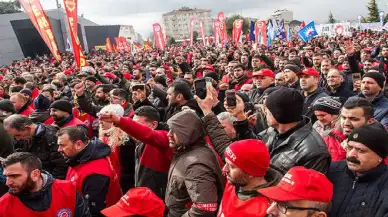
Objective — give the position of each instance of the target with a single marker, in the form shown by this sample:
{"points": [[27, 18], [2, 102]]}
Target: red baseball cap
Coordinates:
{"points": [[209, 67], [310, 71], [264, 72], [301, 184], [110, 75], [137, 201]]}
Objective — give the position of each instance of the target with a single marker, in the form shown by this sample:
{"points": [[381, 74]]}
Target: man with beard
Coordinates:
{"points": [[34, 192], [301, 193], [241, 77], [384, 57], [138, 74], [42, 112], [372, 86], [89, 168], [262, 80], [190, 77], [101, 97], [362, 187], [247, 170], [291, 76], [21, 104], [356, 112], [309, 78], [38, 139], [62, 113]]}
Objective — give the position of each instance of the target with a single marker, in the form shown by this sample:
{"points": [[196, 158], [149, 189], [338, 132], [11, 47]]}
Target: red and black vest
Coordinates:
{"points": [[63, 200], [231, 205], [100, 166]]}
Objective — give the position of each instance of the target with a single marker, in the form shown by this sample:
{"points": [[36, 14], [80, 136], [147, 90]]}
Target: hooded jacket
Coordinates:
{"points": [[41, 113], [94, 186], [195, 183], [42, 200]]}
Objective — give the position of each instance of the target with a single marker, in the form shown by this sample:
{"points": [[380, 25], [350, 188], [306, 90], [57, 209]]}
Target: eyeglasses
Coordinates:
{"points": [[283, 207]]}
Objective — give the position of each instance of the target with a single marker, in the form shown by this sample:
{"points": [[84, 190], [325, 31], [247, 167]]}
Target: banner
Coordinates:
{"points": [[223, 34], [202, 32], [158, 36], [100, 47], [252, 31], [192, 30], [216, 31], [334, 29], [72, 18], [308, 32], [125, 44], [237, 28], [41, 22], [261, 32], [108, 45], [120, 46]]}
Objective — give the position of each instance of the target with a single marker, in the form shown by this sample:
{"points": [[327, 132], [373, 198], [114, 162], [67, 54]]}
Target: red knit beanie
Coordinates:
{"points": [[250, 155]]}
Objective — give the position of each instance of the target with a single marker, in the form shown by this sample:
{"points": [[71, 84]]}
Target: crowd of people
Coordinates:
{"points": [[293, 129]]}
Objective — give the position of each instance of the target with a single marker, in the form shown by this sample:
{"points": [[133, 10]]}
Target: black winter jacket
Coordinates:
{"points": [[341, 92], [300, 146], [309, 102], [44, 145], [359, 196]]}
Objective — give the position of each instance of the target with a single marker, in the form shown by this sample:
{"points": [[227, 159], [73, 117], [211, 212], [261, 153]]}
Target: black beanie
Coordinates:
{"points": [[41, 103], [7, 106], [26, 91], [62, 105], [331, 105], [286, 105], [378, 77], [374, 136], [293, 68]]}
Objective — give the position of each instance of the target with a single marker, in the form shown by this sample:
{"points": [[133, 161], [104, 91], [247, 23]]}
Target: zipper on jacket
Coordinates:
{"points": [[354, 182]]}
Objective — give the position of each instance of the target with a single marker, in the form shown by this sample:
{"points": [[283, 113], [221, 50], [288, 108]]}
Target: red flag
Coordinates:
{"points": [[216, 29], [39, 18], [72, 18], [223, 33], [158, 36], [119, 45], [202, 32], [261, 32], [302, 25], [125, 45], [115, 48], [237, 28], [192, 30], [108, 45], [147, 45], [136, 46]]}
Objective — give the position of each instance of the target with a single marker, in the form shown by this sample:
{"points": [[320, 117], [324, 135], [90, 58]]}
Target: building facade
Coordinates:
{"points": [[177, 22]]}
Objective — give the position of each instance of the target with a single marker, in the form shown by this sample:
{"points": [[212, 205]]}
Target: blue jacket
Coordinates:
{"points": [[380, 107], [362, 196]]}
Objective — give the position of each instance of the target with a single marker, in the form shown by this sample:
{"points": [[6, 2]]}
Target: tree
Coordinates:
{"points": [[373, 12], [195, 36], [331, 18], [10, 7], [231, 19], [171, 40]]}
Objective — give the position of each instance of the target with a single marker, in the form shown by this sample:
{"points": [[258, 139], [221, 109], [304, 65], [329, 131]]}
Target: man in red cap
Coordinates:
{"points": [[247, 170], [137, 202], [301, 193], [262, 80], [309, 79]]}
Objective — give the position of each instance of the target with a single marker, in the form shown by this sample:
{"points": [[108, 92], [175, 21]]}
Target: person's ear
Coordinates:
{"points": [[319, 214], [154, 125], [35, 175]]}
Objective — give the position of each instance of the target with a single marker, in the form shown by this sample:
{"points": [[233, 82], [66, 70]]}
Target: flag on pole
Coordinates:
{"points": [[282, 30], [308, 32], [269, 33], [302, 25], [252, 31], [289, 34]]}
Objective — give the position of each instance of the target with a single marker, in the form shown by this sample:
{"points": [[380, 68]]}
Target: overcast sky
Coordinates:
{"points": [[142, 14]]}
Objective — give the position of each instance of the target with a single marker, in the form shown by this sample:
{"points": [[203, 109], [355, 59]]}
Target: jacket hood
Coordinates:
{"points": [[39, 116], [41, 103], [95, 149], [188, 128]]}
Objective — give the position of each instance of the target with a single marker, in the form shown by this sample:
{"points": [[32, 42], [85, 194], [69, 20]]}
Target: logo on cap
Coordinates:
{"points": [[230, 153], [355, 136], [288, 179]]}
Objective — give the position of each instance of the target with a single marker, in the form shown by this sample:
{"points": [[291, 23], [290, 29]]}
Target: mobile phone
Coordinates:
{"points": [[356, 77], [137, 87], [200, 88], [231, 98]]}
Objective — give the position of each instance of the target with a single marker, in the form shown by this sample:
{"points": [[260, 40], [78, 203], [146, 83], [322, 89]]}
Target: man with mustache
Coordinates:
{"points": [[62, 113], [361, 181], [34, 192]]}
